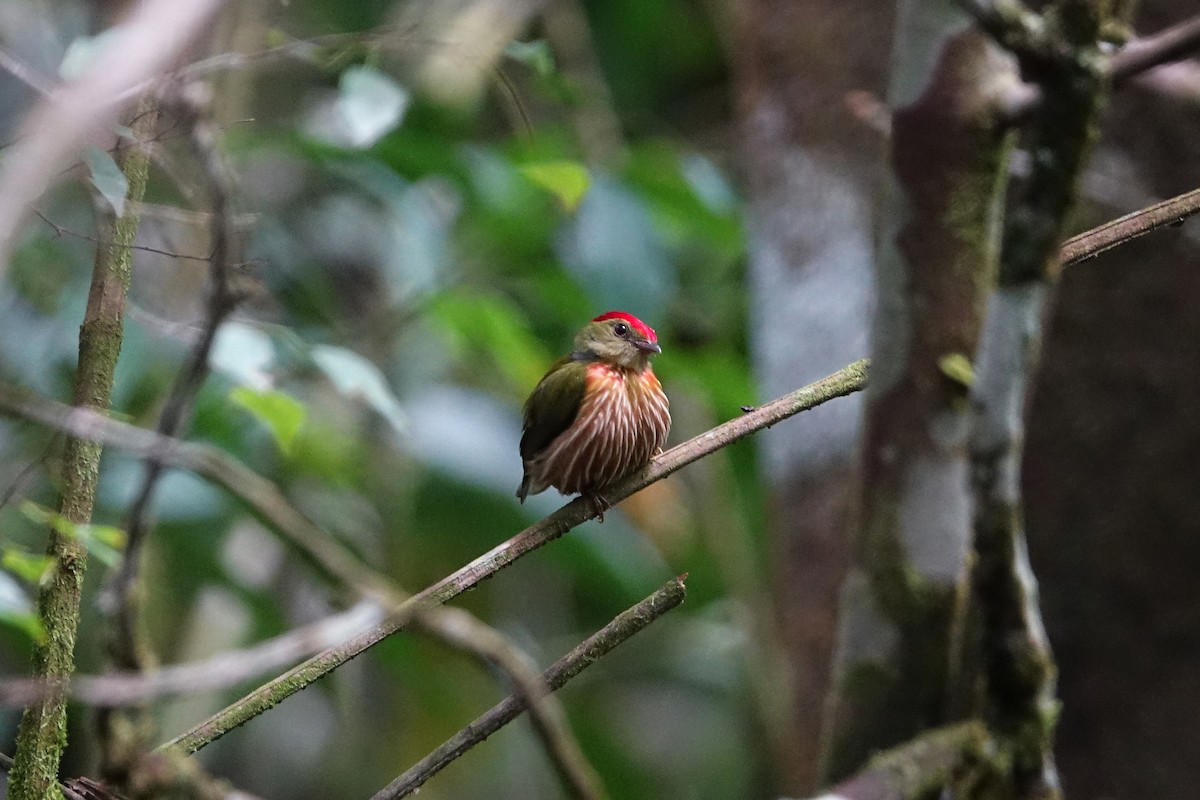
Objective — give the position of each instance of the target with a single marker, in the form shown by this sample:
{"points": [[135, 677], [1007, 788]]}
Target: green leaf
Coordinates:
{"points": [[104, 542], [281, 413], [29, 567], [371, 103], [108, 179], [957, 368], [536, 55], [566, 180], [107, 535], [16, 609], [25, 621], [355, 376], [38, 514], [494, 327]]}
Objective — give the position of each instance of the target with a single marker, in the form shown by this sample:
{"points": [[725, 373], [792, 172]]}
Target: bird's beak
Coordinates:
{"points": [[647, 346]]}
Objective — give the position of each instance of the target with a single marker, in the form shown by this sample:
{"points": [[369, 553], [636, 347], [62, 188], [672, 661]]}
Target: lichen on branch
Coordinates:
{"points": [[43, 731]]}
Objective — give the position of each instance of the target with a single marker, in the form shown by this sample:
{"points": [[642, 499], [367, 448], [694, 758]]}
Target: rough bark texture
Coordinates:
{"points": [[1018, 670], [1010, 653], [42, 736], [902, 602], [811, 164]]}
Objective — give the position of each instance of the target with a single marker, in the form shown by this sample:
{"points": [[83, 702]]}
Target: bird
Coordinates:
{"points": [[598, 414]]}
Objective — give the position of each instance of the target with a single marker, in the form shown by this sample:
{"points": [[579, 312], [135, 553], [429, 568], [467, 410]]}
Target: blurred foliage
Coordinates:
{"points": [[416, 266]]}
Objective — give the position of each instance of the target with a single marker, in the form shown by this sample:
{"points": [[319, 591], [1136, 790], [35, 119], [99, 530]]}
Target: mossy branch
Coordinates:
{"points": [[588, 652], [1012, 657], [956, 757], [43, 730]]}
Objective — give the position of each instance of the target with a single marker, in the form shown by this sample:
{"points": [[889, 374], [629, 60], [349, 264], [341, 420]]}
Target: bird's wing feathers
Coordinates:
{"points": [[553, 406]]}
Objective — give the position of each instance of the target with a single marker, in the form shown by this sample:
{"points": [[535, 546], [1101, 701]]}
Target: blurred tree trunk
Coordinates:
{"points": [[902, 605], [1110, 464], [811, 167], [1112, 439]]}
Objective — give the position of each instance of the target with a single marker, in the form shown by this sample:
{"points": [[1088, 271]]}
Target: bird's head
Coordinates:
{"points": [[620, 339]]}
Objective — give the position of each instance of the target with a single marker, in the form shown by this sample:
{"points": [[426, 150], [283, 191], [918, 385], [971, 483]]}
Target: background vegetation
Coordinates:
{"points": [[429, 199]]}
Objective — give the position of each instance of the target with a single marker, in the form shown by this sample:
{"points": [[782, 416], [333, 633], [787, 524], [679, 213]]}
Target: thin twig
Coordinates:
{"points": [[60, 231], [219, 672], [594, 116], [588, 652], [463, 631], [177, 410], [305, 50], [1175, 43], [1179, 82], [23, 478], [846, 381], [1119, 231]]}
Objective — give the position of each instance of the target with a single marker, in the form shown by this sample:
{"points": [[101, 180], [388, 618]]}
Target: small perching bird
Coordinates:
{"points": [[599, 413]]}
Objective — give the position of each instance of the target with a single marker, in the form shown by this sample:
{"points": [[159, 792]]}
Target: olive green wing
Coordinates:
{"points": [[553, 406]]}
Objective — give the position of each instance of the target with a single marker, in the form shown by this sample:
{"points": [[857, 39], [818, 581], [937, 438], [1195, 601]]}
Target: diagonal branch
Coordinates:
{"points": [[217, 672], [1090, 244], [934, 764], [846, 381], [588, 652], [1142, 54], [239, 479], [463, 631]]}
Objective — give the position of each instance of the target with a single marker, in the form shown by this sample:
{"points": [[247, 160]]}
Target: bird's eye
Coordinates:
{"points": [[620, 329]]}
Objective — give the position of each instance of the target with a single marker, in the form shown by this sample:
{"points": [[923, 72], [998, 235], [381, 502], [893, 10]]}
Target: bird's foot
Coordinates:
{"points": [[600, 505]]}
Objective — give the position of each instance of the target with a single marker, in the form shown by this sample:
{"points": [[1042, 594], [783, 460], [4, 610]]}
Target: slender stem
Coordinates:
{"points": [[1090, 244], [846, 381], [462, 630], [555, 677], [216, 672], [43, 730]]}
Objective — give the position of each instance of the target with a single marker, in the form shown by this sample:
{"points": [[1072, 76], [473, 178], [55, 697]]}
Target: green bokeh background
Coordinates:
{"points": [[433, 273]]}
